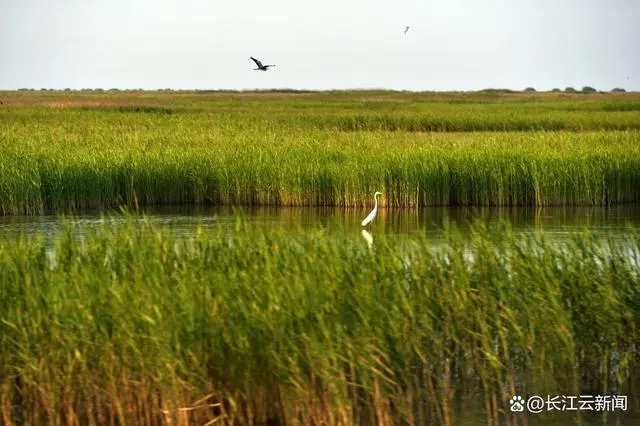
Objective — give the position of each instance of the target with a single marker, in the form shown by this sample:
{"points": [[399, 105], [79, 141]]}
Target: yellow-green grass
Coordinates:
{"points": [[352, 111], [63, 152], [128, 324]]}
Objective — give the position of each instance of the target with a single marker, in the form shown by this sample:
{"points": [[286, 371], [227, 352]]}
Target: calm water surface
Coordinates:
{"points": [[555, 221]]}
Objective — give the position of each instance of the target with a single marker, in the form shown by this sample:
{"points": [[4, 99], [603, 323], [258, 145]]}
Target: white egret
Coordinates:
{"points": [[367, 220]]}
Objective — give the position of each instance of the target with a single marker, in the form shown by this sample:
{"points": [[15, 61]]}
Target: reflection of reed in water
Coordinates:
{"points": [[368, 237]]}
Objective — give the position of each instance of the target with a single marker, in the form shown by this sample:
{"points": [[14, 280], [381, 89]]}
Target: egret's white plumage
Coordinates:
{"points": [[367, 220]]}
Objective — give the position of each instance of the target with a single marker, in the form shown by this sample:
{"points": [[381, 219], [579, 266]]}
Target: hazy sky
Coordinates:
{"points": [[327, 44]]}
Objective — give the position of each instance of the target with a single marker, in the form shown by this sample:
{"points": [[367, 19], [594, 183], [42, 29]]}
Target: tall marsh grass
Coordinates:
{"points": [[129, 324], [48, 172], [67, 153]]}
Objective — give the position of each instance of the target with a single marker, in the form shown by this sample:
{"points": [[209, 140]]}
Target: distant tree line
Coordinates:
{"points": [[88, 89], [569, 89]]}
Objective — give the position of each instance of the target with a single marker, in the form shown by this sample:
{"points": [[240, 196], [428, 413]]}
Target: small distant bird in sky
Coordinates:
{"points": [[406, 29], [260, 66]]}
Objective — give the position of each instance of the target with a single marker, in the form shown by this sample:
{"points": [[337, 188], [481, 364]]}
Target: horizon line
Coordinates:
{"points": [[292, 90]]}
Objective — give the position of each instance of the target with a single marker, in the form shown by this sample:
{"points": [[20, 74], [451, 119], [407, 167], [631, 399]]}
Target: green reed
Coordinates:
{"points": [[319, 168], [129, 324], [70, 152]]}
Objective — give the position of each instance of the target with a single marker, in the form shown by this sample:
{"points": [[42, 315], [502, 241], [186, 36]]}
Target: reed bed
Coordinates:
{"points": [[129, 324], [177, 165], [65, 153]]}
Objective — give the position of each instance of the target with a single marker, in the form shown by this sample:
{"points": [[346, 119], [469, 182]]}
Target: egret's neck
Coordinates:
{"points": [[375, 198]]}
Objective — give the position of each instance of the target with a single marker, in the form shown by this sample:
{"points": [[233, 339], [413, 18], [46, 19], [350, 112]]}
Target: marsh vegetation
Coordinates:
{"points": [[129, 322], [65, 153]]}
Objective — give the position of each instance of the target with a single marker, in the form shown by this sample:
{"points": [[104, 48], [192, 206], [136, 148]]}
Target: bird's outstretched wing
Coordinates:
{"points": [[258, 63]]}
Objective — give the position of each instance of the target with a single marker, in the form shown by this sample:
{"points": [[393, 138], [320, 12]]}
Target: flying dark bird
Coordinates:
{"points": [[260, 66], [406, 29]]}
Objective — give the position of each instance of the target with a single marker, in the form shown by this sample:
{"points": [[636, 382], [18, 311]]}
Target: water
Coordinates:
{"points": [[553, 221]]}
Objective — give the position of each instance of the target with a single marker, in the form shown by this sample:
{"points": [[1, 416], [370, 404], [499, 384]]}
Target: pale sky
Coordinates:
{"points": [[328, 44]]}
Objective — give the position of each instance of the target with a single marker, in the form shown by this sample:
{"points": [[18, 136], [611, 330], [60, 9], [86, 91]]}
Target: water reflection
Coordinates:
{"points": [[552, 220], [368, 237]]}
